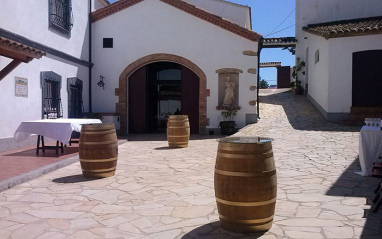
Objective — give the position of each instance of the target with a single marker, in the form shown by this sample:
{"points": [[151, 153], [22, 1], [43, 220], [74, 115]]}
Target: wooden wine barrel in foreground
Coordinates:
{"points": [[245, 183], [98, 149], [178, 131]]}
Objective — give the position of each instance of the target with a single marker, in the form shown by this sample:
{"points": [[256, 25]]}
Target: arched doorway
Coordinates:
{"points": [[165, 88], [193, 102]]}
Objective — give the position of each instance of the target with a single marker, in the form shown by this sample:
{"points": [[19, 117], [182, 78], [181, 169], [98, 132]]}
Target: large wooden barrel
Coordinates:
{"points": [[245, 183], [98, 149], [178, 131]]}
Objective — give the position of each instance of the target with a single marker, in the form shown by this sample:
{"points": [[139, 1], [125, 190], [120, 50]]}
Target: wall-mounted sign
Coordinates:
{"points": [[21, 87]]}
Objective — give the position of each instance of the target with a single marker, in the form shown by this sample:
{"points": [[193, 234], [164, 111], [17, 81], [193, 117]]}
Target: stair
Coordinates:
{"points": [[359, 113]]}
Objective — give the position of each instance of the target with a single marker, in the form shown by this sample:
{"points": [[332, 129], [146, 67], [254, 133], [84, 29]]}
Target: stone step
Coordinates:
{"points": [[358, 114], [366, 110], [352, 122]]}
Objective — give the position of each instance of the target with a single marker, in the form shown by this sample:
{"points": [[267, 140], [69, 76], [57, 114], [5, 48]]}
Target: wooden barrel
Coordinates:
{"points": [[245, 183], [178, 131], [98, 149]]}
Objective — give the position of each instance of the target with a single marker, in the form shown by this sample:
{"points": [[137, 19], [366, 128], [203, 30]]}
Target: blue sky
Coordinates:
{"points": [[267, 15]]}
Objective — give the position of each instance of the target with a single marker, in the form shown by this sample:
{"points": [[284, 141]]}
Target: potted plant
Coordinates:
{"points": [[292, 85], [227, 126], [298, 90]]}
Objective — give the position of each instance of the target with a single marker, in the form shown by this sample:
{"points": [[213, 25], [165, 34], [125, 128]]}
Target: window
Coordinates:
{"points": [[75, 104], [317, 56], [108, 43], [61, 15], [51, 95]]}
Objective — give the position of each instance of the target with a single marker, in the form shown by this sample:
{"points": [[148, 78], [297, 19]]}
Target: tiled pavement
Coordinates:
{"points": [[22, 164], [168, 193]]}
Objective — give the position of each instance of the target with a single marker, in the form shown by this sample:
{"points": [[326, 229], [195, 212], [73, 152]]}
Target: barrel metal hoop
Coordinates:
{"points": [[246, 148], [99, 170], [177, 136], [246, 204], [262, 220], [244, 174], [245, 156], [178, 120], [98, 160], [99, 142], [110, 131]]}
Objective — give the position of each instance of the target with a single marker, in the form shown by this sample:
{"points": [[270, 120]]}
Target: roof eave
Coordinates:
{"points": [[327, 36], [186, 7]]}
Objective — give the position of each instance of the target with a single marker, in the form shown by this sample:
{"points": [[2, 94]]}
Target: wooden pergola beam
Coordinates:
{"points": [[9, 68]]}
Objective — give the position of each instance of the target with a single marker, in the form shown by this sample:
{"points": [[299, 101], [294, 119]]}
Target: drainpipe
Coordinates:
{"points": [[260, 46], [90, 56]]}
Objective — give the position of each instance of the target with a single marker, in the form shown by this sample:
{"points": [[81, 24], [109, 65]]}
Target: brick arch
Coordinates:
{"points": [[121, 92]]}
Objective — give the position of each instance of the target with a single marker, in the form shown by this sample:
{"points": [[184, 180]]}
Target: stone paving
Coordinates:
{"points": [[168, 193]]}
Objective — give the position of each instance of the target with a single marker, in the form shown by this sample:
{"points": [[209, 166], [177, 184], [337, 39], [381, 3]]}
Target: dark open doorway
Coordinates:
{"points": [[158, 90], [367, 78]]}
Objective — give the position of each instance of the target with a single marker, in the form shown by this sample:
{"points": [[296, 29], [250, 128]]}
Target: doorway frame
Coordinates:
{"points": [[122, 91]]}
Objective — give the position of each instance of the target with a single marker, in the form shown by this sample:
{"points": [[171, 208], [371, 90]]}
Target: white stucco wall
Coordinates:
{"points": [[30, 20], [318, 72], [97, 4], [334, 91], [151, 27], [319, 11], [340, 68], [236, 13]]}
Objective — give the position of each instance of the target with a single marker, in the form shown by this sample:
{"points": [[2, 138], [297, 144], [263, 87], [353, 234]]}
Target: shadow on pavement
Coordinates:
{"points": [[165, 148], [301, 113], [73, 179], [350, 184], [214, 231], [49, 153], [163, 137]]}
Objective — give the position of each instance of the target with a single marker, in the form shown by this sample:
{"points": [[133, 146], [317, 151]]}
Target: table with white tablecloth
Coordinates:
{"points": [[58, 129], [370, 148]]}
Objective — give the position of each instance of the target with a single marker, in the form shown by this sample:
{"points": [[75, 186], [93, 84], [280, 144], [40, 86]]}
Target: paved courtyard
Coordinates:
{"points": [[168, 193]]}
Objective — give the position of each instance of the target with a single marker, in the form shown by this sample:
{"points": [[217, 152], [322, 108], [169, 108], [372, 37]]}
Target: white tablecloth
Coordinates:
{"points": [[370, 147], [58, 129]]}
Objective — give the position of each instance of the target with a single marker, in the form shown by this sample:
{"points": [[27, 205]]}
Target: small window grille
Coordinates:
{"points": [[51, 95], [61, 15]]}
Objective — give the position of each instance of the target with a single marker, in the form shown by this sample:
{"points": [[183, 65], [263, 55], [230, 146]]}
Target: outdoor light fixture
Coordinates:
{"points": [[101, 83]]}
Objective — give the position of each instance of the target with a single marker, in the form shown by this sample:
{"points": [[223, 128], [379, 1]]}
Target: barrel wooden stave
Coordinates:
{"points": [[98, 150], [245, 186], [178, 131]]}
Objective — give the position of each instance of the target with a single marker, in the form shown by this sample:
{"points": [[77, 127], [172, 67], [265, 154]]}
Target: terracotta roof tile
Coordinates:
{"points": [[186, 7], [20, 48], [347, 28], [270, 64], [280, 41], [113, 8]]}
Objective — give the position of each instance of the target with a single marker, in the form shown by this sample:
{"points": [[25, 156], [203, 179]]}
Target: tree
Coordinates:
{"points": [[264, 84]]}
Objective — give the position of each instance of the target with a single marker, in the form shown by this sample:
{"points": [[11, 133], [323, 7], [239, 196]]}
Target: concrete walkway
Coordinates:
{"points": [[168, 193]]}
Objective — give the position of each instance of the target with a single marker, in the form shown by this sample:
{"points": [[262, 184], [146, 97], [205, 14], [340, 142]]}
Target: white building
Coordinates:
{"points": [[148, 58], [44, 59], [340, 43], [177, 41]]}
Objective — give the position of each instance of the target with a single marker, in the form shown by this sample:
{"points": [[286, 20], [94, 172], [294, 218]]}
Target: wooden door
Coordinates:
{"points": [[190, 98], [367, 78], [137, 101]]}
